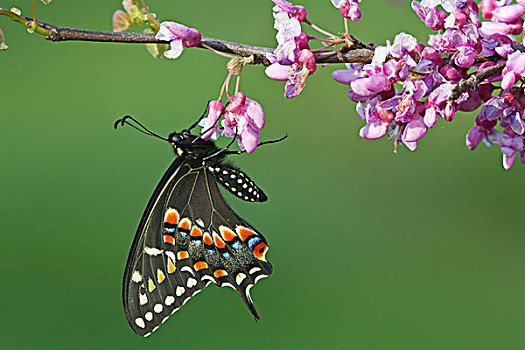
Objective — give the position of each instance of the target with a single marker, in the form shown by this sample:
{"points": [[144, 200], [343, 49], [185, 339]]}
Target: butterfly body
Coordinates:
{"points": [[189, 237]]}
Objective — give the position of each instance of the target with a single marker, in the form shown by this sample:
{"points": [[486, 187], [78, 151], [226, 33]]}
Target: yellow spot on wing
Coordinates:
{"points": [[151, 285], [171, 266], [160, 276]]}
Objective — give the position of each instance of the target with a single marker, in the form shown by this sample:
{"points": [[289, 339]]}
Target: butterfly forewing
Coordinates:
{"points": [[188, 238]]}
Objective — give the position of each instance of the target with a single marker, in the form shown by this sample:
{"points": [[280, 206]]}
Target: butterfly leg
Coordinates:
{"points": [[222, 150]]}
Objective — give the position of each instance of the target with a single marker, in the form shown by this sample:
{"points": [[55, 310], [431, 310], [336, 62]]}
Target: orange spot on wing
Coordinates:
{"points": [[245, 233], [183, 255], [260, 250], [185, 224], [172, 217], [196, 232], [151, 285], [171, 266], [169, 239], [220, 273], [218, 241], [207, 239], [200, 265], [227, 234], [160, 277]]}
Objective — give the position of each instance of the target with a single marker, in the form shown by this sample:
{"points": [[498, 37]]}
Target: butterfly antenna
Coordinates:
{"points": [[140, 127], [259, 145], [187, 131]]}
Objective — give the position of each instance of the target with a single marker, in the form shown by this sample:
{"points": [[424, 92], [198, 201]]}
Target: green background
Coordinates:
{"points": [[371, 249]]}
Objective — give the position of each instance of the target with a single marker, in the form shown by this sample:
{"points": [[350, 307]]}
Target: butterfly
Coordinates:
{"points": [[189, 237]]}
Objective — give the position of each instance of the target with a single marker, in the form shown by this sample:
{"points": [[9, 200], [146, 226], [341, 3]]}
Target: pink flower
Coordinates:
{"points": [[298, 12], [209, 124], [348, 8], [295, 75], [243, 118], [414, 130], [515, 67], [179, 36], [508, 13]]}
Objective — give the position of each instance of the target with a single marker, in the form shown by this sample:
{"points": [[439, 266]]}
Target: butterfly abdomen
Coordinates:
{"points": [[238, 183]]}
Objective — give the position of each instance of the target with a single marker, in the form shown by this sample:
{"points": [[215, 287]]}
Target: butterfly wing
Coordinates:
{"points": [[221, 246], [145, 254], [187, 238]]}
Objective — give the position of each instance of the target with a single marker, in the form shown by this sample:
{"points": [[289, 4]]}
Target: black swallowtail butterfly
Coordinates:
{"points": [[189, 237]]}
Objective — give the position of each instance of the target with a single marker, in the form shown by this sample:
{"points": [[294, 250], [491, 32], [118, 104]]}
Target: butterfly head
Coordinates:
{"points": [[186, 143]]}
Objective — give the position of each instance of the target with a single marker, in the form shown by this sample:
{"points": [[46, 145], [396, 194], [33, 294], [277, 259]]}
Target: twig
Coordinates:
{"points": [[356, 53], [474, 80]]}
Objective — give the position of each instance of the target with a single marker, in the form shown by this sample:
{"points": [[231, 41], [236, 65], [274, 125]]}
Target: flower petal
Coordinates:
{"points": [[175, 50], [278, 71], [414, 130], [508, 160], [375, 129], [255, 111], [249, 139]]}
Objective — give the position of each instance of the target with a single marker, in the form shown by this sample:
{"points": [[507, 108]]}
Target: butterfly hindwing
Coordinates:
{"points": [[209, 234], [188, 238]]}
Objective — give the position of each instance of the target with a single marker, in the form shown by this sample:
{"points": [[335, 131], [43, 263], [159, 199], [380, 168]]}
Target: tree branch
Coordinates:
{"points": [[56, 34], [474, 80], [357, 53]]}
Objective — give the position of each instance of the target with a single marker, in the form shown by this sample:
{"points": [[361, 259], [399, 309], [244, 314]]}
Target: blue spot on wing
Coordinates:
{"points": [[236, 244], [210, 251], [226, 255], [252, 242], [170, 229]]}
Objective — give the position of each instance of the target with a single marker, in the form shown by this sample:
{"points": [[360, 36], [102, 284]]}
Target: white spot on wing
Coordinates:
{"points": [[143, 299], [152, 251], [179, 291], [187, 268], [239, 278], [171, 255], [140, 322], [258, 278], [136, 277], [149, 316], [200, 222], [254, 270], [191, 282], [170, 299], [158, 308]]}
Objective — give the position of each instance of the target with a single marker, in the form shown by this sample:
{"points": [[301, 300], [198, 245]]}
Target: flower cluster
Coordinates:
{"points": [[405, 89], [243, 119], [292, 61], [409, 86]]}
